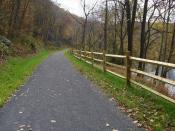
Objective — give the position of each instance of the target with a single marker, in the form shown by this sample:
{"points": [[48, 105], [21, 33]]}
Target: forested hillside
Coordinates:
{"points": [[30, 23]]}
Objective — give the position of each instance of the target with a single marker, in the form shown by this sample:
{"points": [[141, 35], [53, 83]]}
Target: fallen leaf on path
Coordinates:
{"points": [[107, 125], [53, 121], [21, 126]]}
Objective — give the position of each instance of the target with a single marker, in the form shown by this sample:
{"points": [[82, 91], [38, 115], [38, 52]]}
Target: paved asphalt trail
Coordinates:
{"points": [[59, 98]]}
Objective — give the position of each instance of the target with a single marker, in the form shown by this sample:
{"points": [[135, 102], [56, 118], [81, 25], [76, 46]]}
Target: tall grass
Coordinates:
{"points": [[15, 71]]}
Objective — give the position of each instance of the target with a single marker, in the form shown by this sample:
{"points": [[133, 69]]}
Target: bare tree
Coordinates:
{"points": [[143, 40], [121, 26], [14, 18], [106, 26], [86, 14], [131, 16]]}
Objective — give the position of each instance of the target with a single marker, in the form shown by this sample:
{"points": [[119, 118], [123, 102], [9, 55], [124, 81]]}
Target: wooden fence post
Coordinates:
{"points": [[128, 68], [84, 54], [80, 54], [92, 58], [104, 61], [72, 51]]}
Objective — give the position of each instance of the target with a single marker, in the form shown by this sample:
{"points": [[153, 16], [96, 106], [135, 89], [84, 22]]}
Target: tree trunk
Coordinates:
{"points": [[84, 34], [130, 23], [128, 15], [114, 49], [164, 69], [143, 39], [106, 27], [23, 13], [172, 45]]}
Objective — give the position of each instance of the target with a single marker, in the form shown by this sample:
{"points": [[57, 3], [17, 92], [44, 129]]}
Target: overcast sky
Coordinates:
{"points": [[74, 6]]}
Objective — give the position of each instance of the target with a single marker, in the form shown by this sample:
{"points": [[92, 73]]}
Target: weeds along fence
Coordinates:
{"points": [[127, 72]]}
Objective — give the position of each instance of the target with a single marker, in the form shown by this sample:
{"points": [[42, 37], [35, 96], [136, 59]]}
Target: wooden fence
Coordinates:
{"points": [[90, 58]]}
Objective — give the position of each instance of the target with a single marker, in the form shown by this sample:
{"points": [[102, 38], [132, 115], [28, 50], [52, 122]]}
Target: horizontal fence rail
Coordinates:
{"points": [[170, 65], [116, 56], [97, 53], [171, 82], [127, 67], [115, 65]]}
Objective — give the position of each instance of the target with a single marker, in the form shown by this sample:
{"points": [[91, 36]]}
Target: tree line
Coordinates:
{"points": [[41, 19], [146, 28]]}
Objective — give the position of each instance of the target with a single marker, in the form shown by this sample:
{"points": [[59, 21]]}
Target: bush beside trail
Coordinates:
{"points": [[23, 45]]}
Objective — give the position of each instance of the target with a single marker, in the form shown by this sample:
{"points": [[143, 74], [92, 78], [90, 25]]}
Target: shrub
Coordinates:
{"points": [[29, 42], [5, 41], [4, 50]]}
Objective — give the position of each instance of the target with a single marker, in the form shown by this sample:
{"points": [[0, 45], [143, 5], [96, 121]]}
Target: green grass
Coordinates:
{"points": [[151, 111], [15, 71]]}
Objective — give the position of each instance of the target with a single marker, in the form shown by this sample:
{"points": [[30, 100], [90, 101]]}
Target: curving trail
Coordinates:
{"points": [[59, 98]]}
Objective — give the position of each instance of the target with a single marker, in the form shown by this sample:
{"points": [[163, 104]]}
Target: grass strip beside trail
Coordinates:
{"points": [[15, 71], [151, 111]]}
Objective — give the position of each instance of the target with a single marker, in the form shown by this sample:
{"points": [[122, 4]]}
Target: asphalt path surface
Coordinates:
{"points": [[58, 98]]}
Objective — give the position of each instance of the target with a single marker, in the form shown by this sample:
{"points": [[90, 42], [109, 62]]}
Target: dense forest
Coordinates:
{"points": [[146, 28], [30, 23]]}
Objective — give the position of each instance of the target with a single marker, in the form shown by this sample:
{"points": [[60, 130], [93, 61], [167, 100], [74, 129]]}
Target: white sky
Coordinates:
{"points": [[74, 6]]}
